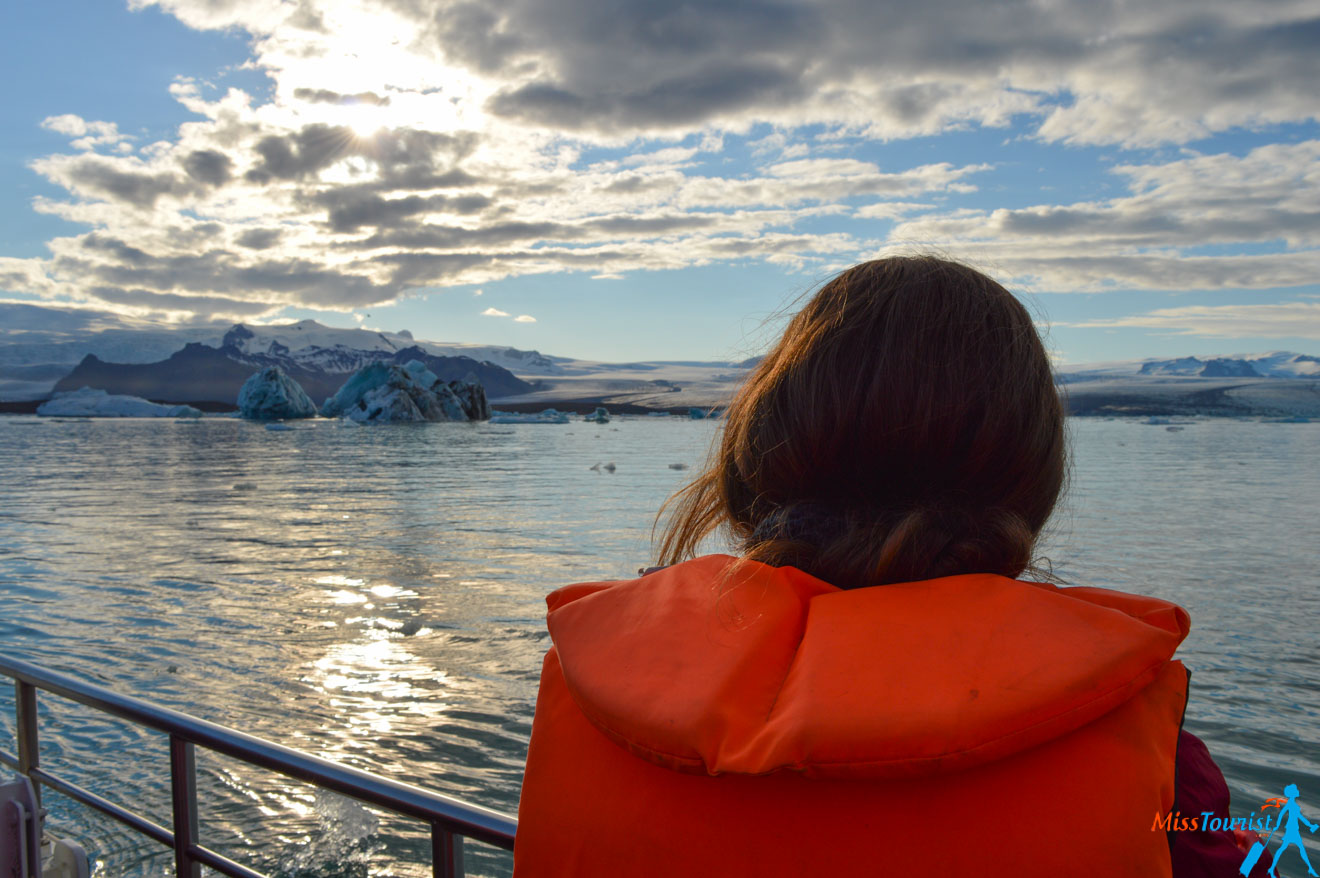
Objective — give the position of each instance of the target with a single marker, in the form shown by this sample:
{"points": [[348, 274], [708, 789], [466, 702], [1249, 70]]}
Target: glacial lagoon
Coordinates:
{"points": [[376, 596]]}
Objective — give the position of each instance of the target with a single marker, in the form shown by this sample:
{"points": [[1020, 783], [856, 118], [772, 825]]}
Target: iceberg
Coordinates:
{"points": [[385, 393], [271, 395], [89, 403], [472, 395], [549, 416], [599, 416]]}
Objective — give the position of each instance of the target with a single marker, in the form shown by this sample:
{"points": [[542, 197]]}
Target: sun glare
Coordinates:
{"points": [[365, 125]]}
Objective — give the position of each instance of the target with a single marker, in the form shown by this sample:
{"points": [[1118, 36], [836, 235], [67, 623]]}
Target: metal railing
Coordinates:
{"points": [[450, 819]]}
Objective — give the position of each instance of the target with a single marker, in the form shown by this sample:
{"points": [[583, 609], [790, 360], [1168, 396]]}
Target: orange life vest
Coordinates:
{"points": [[720, 719]]}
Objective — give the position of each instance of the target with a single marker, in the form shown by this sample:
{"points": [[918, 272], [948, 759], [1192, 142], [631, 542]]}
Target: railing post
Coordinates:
{"points": [[25, 699], [446, 853], [183, 789]]}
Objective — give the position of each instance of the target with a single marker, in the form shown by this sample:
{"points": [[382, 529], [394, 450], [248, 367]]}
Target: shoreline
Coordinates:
{"points": [[1189, 397]]}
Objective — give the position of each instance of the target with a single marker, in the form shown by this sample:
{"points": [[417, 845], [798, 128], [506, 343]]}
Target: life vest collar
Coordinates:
{"points": [[724, 665]]}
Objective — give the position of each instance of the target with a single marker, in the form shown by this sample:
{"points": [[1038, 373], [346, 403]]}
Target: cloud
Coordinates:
{"points": [[524, 318], [259, 239], [28, 318], [1280, 320], [87, 135], [349, 211], [891, 209], [1089, 71], [325, 96], [312, 149], [69, 124], [1156, 236], [408, 145], [1128, 75], [495, 312], [122, 179], [209, 166]]}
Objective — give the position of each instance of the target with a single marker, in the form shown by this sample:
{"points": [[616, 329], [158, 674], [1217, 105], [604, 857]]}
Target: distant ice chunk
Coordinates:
{"points": [[385, 393], [549, 416], [271, 395], [88, 403], [599, 416]]}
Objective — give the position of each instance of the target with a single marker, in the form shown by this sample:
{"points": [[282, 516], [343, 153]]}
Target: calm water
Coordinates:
{"points": [[375, 595]]}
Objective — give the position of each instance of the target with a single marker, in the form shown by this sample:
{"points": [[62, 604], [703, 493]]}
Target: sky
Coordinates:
{"points": [[621, 180]]}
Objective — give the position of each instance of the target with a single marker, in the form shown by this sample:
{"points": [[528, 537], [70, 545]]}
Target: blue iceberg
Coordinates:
{"points": [[270, 395], [385, 393]]}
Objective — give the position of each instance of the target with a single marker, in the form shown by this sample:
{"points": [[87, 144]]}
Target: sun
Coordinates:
{"points": [[365, 125]]}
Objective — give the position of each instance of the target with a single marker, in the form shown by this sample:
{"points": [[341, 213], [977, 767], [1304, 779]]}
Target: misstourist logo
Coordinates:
{"points": [[1288, 814]]}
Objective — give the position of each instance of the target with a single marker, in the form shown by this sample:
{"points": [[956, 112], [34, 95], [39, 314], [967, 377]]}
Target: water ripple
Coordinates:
{"points": [[376, 596]]}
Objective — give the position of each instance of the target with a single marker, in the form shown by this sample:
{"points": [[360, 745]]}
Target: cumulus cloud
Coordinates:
{"points": [[409, 145], [524, 318], [494, 312], [1089, 70], [208, 166], [128, 181], [1147, 75], [1157, 235], [88, 135]]}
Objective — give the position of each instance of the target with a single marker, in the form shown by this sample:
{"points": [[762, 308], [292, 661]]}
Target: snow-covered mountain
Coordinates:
{"points": [[344, 350], [1275, 364], [34, 358], [32, 361]]}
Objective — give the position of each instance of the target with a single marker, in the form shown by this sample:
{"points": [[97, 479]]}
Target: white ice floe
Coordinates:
{"points": [[549, 416], [88, 403], [271, 395]]}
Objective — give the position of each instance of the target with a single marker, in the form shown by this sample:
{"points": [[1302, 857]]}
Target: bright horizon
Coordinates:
{"points": [[657, 182]]}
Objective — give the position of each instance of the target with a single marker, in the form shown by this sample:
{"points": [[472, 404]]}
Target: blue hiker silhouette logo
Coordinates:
{"points": [[1290, 814]]}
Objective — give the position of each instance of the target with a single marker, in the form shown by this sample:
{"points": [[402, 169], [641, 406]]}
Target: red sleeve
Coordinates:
{"points": [[1199, 786]]}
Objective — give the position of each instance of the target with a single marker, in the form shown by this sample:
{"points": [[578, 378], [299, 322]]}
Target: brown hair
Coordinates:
{"points": [[905, 427]]}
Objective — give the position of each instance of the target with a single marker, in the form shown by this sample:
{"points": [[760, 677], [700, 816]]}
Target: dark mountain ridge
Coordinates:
{"points": [[200, 373]]}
